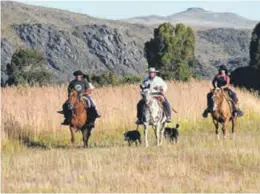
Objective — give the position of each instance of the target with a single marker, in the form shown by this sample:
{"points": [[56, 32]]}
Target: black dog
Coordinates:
{"points": [[132, 136], [172, 134]]}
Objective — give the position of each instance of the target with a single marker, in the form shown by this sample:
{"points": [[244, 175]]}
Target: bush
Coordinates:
{"points": [[171, 51], [255, 47], [109, 78], [28, 67]]}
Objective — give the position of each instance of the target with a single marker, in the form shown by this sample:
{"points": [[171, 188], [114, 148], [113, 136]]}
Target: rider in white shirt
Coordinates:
{"points": [[157, 86]]}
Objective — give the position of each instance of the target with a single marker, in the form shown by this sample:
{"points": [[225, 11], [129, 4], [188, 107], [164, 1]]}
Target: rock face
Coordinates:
{"points": [[234, 42], [222, 46], [91, 48], [6, 55]]}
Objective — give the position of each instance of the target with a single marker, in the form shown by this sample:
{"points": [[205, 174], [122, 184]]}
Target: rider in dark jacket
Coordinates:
{"points": [[222, 80], [80, 85]]}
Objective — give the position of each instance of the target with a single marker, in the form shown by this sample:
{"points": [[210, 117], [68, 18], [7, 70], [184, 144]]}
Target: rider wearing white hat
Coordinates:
{"points": [[157, 85]]}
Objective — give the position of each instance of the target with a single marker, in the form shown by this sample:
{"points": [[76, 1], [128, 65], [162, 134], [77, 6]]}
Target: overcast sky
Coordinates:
{"points": [[126, 9]]}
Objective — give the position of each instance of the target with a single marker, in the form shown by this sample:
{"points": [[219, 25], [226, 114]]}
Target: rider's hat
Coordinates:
{"points": [[78, 72], [152, 69], [223, 67]]}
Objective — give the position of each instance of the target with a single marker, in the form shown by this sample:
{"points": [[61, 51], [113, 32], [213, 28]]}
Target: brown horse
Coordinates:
{"points": [[222, 111], [79, 117]]}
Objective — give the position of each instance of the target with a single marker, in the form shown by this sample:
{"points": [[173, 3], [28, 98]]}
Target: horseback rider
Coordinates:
{"points": [[222, 80], [157, 86], [83, 87]]}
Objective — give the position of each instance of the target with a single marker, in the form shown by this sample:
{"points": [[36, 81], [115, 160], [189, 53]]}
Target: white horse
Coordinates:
{"points": [[153, 115]]}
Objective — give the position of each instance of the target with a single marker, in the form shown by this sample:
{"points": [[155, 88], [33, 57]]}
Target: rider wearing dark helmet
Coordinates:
{"points": [[222, 80], [81, 86]]}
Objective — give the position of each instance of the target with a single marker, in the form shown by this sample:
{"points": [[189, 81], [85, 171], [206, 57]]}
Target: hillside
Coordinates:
{"points": [[71, 41], [198, 18]]}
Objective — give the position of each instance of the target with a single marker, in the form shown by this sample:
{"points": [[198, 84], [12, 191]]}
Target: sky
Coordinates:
{"points": [[125, 9]]}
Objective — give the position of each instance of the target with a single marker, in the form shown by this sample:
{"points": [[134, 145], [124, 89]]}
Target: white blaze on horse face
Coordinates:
{"points": [[215, 107], [146, 95]]}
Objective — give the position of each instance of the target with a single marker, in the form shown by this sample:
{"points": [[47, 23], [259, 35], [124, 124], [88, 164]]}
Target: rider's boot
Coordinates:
{"points": [[139, 122], [168, 120], [96, 113], [237, 112], [66, 122], [206, 111], [167, 109], [67, 119]]}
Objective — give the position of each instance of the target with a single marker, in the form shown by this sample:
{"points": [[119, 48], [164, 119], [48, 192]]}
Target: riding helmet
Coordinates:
{"points": [[78, 72]]}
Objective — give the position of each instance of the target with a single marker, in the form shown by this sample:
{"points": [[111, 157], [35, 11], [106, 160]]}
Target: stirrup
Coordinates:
{"points": [[139, 122], [168, 120], [238, 113], [65, 123], [205, 113]]}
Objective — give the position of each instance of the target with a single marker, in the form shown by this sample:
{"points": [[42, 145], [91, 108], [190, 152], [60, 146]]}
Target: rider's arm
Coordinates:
{"points": [[161, 84], [214, 82], [86, 85], [70, 87], [228, 83], [164, 86]]}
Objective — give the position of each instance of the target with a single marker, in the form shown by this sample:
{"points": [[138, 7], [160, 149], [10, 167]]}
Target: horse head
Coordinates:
{"points": [[146, 94], [74, 97], [217, 97]]}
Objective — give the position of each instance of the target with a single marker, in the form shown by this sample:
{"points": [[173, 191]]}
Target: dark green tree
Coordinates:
{"points": [[28, 66], [171, 51], [255, 47]]}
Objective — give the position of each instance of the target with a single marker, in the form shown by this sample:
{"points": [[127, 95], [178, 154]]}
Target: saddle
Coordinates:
{"points": [[159, 98]]}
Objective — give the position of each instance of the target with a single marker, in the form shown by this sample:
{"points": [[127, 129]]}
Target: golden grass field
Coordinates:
{"points": [[198, 163]]}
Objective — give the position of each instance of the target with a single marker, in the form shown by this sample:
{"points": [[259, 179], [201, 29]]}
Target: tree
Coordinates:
{"points": [[255, 47], [171, 51], [28, 67]]}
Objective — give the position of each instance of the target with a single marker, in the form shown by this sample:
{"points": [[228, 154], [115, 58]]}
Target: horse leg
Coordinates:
{"points": [[155, 132], [140, 141], [158, 134], [162, 132], [146, 135], [224, 129], [84, 138], [88, 135], [216, 126], [72, 132]]}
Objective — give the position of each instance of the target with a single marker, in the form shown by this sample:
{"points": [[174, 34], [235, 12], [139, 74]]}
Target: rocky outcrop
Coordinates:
{"points": [[91, 48], [6, 55]]}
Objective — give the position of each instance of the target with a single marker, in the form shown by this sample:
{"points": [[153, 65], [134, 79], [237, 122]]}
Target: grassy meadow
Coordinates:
{"points": [[37, 155]]}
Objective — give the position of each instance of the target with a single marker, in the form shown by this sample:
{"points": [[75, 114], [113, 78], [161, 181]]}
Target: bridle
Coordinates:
{"points": [[78, 98]]}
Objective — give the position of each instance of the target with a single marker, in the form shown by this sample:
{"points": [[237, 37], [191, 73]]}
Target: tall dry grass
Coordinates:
{"points": [[198, 163], [34, 109]]}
